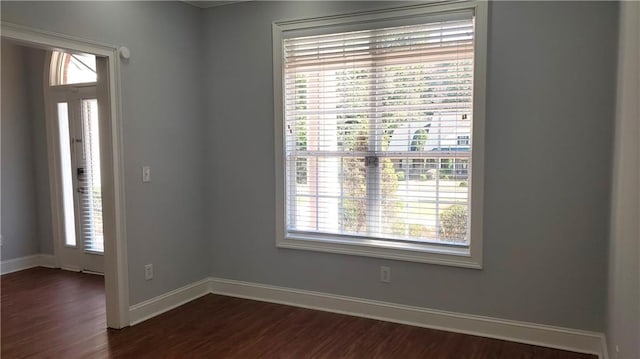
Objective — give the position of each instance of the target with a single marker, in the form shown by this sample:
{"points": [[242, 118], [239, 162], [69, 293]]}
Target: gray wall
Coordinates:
{"points": [[163, 128], [19, 205], [550, 100], [198, 108], [34, 62], [623, 324], [26, 223]]}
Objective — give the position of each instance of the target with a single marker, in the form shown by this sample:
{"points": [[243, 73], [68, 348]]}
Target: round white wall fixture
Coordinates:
{"points": [[125, 53]]}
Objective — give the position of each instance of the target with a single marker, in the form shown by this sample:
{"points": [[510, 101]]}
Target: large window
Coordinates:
{"points": [[380, 126]]}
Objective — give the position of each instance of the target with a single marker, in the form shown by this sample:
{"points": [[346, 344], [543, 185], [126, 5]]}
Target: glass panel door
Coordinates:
{"points": [[77, 125]]}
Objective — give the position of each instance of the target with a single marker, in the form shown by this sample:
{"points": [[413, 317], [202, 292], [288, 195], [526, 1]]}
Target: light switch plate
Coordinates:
{"points": [[146, 173], [148, 272]]}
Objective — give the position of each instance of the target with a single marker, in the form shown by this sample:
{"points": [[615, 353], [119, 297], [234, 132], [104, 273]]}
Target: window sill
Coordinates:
{"points": [[455, 256]]}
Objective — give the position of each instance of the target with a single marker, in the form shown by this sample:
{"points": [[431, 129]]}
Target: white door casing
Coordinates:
{"points": [[112, 160]]}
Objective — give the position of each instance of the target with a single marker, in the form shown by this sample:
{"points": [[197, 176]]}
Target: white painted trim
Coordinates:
{"points": [[167, 301], [516, 331], [46, 39], [26, 262], [604, 353], [481, 9], [116, 271], [57, 218], [385, 13], [433, 254], [469, 258], [71, 268], [21, 263]]}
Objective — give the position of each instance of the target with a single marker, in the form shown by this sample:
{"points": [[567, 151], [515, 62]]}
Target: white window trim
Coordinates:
{"points": [[467, 256]]}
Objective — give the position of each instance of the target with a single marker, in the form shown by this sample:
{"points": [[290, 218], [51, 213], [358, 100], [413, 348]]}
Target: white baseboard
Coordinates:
{"points": [[167, 301], [521, 332], [69, 268], [22, 263], [515, 331]]}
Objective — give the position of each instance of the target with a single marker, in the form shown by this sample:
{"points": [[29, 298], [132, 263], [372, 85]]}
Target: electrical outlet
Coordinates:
{"points": [[385, 274], [148, 272]]}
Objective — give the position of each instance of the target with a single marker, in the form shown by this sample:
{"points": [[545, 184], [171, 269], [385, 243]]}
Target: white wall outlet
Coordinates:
{"points": [[146, 173], [385, 274], [148, 272]]}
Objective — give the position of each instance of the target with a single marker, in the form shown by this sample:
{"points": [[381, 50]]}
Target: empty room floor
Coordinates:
{"points": [[50, 313]]}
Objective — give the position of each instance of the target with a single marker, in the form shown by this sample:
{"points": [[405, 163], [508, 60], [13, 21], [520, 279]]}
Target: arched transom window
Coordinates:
{"points": [[67, 68]]}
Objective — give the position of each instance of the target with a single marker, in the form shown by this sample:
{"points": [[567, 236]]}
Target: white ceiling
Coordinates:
{"points": [[208, 4]]}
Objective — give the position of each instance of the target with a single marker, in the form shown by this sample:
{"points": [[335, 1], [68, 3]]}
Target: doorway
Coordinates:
{"points": [[73, 108], [84, 110]]}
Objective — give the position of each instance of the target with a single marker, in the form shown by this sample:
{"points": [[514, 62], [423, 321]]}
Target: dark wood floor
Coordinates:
{"points": [[48, 313]]}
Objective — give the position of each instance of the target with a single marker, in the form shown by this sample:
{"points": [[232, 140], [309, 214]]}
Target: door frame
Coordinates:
{"points": [[111, 145]]}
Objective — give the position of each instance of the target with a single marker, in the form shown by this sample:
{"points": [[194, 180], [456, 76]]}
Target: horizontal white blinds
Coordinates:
{"points": [[378, 132], [89, 184]]}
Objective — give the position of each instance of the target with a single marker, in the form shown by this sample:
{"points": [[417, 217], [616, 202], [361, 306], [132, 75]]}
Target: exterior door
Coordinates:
{"points": [[76, 109]]}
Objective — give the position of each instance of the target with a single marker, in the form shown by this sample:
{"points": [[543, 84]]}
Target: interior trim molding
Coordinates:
{"points": [[26, 262], [167, 301], [112, 148], [516, 331], [605, 349]]}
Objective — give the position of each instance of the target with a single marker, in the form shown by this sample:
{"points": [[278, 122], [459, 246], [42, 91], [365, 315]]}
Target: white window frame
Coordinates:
{"points": [[468, 256]]}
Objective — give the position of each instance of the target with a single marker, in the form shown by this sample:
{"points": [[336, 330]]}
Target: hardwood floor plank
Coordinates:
{"points": [[47, 313]]}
